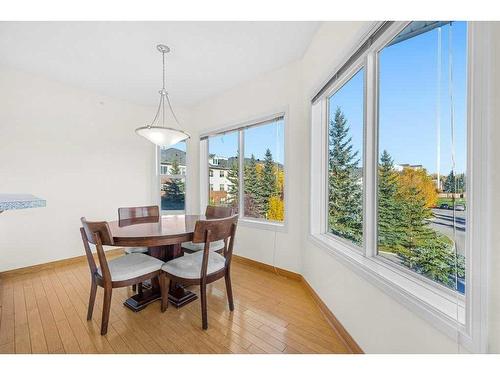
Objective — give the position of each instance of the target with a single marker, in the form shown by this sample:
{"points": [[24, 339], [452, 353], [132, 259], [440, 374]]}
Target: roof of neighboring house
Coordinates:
{"points": [[226, 163]]}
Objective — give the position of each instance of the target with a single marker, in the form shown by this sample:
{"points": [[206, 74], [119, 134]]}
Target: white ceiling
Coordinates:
{"points": [[120, 59]]}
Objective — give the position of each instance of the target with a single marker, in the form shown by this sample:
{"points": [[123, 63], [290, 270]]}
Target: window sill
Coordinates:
{"points": [[263, 224], [431, 303], [172, 212]]}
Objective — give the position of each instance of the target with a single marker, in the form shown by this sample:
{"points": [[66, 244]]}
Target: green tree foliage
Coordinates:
{"points": [[404, 229], [454, 183], [345, 201], [413, 222], [252, 188], [264, 188], [449, 183], [234, 187], [174, 187], [389, 233], [268, 184]]}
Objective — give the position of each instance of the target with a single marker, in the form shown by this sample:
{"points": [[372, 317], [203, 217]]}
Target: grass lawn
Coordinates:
{"points": [[450, 202]]}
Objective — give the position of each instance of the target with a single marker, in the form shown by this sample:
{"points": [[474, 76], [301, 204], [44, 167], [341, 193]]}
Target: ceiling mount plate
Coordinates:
{"points": [[163, 48]]}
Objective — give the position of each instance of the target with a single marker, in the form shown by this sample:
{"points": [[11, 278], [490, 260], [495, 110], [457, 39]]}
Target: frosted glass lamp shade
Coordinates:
{"points": [[162, 136]]}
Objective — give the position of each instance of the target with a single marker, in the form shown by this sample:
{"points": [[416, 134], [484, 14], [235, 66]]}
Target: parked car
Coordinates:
{"points": [[444, 206], [459, 207]]}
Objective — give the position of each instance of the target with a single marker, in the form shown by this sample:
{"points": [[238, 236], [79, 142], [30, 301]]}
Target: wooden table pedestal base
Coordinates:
{"points": [[177, 296]]}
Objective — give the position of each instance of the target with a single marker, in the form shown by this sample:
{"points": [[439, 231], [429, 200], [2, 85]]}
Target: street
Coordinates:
{"points": [[443, 222]]}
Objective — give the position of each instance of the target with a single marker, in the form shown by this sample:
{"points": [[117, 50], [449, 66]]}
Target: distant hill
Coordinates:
{"points": [[171, 154]]}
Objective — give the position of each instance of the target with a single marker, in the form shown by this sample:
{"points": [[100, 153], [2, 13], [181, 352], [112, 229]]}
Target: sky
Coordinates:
{"points": [[409, 100], [179, 146], [408, 104], [257, 140]]}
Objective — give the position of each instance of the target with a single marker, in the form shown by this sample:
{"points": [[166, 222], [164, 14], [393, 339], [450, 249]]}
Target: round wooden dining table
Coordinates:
{"points": [[163, 238]]}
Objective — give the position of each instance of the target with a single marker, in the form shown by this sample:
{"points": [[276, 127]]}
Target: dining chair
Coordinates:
{"points": [[204, 267], [211, 212], [116, 273], [137, 215]]}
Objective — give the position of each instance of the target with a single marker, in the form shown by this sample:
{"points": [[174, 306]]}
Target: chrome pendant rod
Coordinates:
{"points": [[163, 92]]}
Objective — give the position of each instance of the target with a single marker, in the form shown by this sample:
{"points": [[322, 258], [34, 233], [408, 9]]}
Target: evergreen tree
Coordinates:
{"points": [[174, 189], [460, 183], [252, 187], [233, 188], [345, 201], [267, 183], [389, 233], [413, 222], [449, 183]]}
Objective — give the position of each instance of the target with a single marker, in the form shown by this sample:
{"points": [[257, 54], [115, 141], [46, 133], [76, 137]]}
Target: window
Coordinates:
{"points": [[172, 177], [422, 136], [345, 158], [261, 171], [264, 174], [413, 108], [223, 154]]}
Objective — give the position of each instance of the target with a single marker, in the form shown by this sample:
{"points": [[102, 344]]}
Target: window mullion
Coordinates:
{"points": [[241, 165], [370, 158]]}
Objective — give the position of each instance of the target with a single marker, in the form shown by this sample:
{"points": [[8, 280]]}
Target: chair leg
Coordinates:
{"points": [[204, 318], [229, 290], [93, 292], [139, 288], [105, 310], [164, 292], [134, 287]]}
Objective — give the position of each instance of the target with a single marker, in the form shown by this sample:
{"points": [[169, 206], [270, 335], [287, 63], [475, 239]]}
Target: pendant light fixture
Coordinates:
{"points": [[162, 135]]}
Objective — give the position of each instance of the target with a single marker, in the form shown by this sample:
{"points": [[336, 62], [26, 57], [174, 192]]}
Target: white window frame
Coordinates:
{"points": [[178, 176], [429, 300], [240, 129], [337, 86]]}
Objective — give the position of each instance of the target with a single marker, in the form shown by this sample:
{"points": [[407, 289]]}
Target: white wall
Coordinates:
{"points": [[376, 321], [76, 149], [268, 94]]}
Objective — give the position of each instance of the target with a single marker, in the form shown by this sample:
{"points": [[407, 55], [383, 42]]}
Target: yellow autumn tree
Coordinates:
{"points": [[276, 209], [419, 179], [280, 178]]}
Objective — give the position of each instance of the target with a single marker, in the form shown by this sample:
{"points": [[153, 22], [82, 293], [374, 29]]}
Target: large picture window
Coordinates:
{"points": [[173, 178], [253, 185], [422, 201]]}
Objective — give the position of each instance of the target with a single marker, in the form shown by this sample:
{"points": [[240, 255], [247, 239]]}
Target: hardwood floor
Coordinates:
{"points": [[45, 312]]}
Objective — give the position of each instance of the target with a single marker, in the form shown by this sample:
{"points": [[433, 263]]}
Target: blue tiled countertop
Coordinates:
{"points": [[20, 201]]}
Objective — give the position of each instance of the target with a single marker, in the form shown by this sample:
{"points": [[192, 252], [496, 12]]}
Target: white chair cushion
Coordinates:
{"points": [[189, 266], [131, 266], [132, 250], [214, 246]]}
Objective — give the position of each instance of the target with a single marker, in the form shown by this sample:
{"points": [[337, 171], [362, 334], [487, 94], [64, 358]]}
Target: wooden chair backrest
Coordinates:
{"points": [[214, 230], [218, 211], [99, 234], [134, 215], [217, 229]]}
